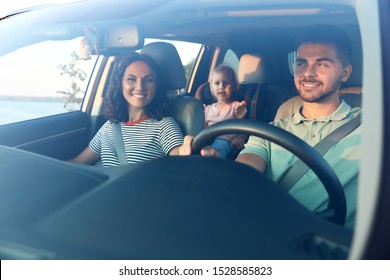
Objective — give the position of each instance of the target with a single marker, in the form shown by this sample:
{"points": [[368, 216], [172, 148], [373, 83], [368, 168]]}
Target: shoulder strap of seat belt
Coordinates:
{"points": [[296, 172], [118, 142]]}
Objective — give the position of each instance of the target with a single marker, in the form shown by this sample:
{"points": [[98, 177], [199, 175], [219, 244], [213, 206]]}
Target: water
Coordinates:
{"points": [[14, 110]]}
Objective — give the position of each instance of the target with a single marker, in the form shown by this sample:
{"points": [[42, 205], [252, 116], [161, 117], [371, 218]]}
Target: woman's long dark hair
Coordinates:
{"points": [[116, 107]]}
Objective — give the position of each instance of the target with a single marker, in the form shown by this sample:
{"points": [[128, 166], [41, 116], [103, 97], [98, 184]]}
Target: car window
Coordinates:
{"points": [[43, 79], [231, 59], [291, 56]]}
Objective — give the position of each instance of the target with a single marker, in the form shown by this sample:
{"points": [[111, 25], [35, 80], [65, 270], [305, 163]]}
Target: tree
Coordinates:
{"points": [[74, 95], [188, 68]]}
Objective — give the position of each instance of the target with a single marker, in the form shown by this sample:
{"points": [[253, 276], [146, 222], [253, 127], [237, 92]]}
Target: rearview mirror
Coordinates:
{"points": [[119, 39]]}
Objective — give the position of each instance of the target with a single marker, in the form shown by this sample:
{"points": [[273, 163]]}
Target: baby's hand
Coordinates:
{"points": [[240, 109], [242, 103]]}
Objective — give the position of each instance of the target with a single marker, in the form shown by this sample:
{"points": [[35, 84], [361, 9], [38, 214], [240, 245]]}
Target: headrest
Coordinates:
{"points": [[250, 70], [167, 57], [356, 77]]}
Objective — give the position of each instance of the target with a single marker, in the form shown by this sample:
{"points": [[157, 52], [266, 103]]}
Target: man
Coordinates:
{"points": [[322, 64]]}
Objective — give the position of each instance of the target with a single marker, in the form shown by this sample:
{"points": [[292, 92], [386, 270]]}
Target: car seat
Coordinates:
{"points": [[249, 77], [262, 97], [186, 110], [203, 93]]}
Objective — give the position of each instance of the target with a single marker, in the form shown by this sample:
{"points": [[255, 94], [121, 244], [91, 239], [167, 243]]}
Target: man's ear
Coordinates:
{"points": [[347, 70]]}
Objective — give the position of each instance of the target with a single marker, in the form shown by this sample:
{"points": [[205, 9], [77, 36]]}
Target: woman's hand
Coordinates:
{"points": [[186, 149]]}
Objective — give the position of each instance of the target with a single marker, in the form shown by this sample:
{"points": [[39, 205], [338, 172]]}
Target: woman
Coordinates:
{"points": [[137, 102]]}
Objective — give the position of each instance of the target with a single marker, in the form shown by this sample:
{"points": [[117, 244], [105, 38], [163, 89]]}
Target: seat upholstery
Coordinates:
{"points": [[267, 101], [203, 93], [250, 70], [250, 76], [262, 96], [186, 110]]}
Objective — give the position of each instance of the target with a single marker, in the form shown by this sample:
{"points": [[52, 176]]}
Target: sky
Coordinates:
{"points": [[51, 60], [7, 6]]}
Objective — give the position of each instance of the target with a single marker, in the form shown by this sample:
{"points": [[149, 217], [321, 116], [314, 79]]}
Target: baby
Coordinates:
{"points": [[223, 86]]}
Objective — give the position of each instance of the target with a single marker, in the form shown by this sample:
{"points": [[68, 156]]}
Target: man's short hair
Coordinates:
{"points": [[327, 34]]}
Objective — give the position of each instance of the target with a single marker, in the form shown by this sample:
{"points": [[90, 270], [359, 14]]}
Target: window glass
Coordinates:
{"points": [[43, 79], [232, 60], [291, 62]]}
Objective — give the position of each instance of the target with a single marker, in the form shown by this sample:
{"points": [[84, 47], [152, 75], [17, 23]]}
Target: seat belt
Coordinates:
{"points": [[118, 142], [296, 172]]}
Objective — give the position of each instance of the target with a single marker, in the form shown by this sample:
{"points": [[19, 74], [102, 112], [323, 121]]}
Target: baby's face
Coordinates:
{"points": [[221, 87]]}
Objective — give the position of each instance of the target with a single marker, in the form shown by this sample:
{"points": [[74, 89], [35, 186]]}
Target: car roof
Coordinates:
{"points": [[207, 19], [250, 26]]}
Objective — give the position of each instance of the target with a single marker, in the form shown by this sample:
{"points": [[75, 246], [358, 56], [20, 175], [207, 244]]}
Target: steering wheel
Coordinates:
{"points": [[337, 206]]}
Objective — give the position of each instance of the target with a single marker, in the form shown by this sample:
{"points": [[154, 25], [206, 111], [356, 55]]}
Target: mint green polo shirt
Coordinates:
{"points": [[343, 157]]}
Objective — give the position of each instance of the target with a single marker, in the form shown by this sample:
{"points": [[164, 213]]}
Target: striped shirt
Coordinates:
{"points": [[143, 141]]}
